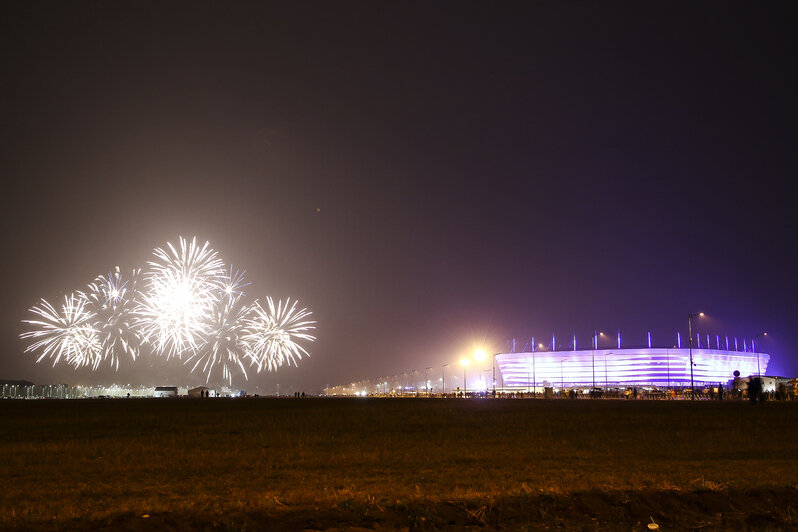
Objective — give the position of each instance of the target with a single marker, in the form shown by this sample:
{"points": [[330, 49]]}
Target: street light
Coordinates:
{"points": [[690, 343], [493, 369], [465, 362], [595, 346], [756, 349], [426, 380], [606, 383], [443, 369]]}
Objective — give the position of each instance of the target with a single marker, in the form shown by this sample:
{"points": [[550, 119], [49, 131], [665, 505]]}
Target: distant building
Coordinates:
{"points": [[165, 391], [769, 383], [201, 391], [661, 367]]}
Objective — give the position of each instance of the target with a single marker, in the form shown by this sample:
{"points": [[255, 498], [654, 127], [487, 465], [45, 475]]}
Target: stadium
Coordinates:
{"points": [[660, 367], [533, 368]]}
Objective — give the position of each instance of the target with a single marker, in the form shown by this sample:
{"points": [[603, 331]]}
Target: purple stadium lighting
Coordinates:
{"points": [[630, 366]]}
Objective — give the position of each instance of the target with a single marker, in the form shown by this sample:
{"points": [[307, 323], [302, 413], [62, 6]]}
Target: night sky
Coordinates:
{"points": [[424, 177]]}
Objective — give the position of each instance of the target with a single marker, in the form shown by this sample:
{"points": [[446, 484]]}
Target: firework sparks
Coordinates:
{"points": [[223, 341], [180, 297], [231, 283], [68, 334], [113, 299], [273, 332], [188, 303]]}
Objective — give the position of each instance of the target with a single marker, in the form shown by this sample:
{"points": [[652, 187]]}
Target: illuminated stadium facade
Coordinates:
{"points": [[660, 367], [534, 368]]}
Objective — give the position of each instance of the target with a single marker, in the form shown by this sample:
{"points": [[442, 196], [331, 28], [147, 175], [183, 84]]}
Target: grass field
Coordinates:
{"points": [[396, 463]]}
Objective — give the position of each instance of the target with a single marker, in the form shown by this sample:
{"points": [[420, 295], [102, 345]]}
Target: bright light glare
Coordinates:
{"points": [[479, 355], [465, 361]]}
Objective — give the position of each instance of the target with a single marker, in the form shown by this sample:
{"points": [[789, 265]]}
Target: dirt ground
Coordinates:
{"points": [[393, 464]]}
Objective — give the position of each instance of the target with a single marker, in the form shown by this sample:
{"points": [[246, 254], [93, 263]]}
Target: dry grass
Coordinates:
{"points": [[94, 460]]}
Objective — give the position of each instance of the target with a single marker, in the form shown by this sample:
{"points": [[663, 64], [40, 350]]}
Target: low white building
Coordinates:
{"points": [[165, 391]]}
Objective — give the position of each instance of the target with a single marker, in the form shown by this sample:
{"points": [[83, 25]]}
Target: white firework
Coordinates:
{"points": [[272, 333], [180, 296], [186, 303], [69, 334], [223, 341], [114, 300], [231, 283]]}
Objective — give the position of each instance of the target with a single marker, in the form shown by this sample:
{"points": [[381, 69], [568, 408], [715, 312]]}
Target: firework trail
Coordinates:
{"points": [[69, 334], [113, 300], [180, 296], [273, 332]]}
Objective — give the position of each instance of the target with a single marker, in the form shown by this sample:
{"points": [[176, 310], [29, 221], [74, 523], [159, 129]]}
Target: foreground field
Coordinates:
{"points": [[389, 463]]}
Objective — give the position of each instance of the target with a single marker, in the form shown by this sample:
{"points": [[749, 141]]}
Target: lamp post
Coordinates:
{"points": [[606, 383], [465, 362], [479, 356], [493, 367], [756, 349], [443, 369], [595, 346], [534, 375], [426, 380], [690, 343]]}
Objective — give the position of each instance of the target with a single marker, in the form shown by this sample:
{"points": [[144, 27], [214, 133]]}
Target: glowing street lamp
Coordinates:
{"points": [[756, 348], [595, 346], [690, 343], [480, 355], [465, 362], [426, 379], [606, 384]]}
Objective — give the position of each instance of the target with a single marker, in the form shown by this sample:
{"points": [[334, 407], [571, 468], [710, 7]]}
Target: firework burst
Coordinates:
{"points": [[223, 341], [113, 299], [180, 297], [69, 334], [185, 303], [231, 283], [273, 333]]}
